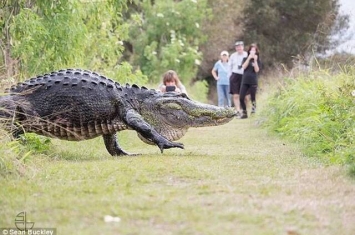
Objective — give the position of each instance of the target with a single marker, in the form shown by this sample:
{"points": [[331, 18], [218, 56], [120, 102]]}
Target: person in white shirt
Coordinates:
{"points": [[236, 69]]}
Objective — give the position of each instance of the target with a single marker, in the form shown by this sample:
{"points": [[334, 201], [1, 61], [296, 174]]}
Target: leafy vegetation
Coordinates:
{"points": [[286, 30], [317, 111], [147, 37], [14, 154], [46, 36], [167, 35]]}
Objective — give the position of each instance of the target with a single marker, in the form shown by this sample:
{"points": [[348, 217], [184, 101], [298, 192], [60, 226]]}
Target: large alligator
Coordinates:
{"points": [[75, 104]]}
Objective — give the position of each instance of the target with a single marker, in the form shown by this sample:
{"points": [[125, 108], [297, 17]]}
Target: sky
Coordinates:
{"points": [[348, 7]]}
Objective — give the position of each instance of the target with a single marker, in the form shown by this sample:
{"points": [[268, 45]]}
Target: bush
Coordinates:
{"points": [[10, 160], [317, 111], [15, 153], [198, 91]]}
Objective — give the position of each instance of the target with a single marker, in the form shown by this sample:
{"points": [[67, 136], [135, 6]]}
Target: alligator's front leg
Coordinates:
{"points": [[137, 123], [112, 145]]}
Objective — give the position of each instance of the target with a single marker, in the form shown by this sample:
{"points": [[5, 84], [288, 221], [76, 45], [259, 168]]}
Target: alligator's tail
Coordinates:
{"points": [[7, 107], [7, 115]]}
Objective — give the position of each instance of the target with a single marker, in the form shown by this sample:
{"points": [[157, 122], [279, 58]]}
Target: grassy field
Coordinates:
{"points": [[231, 179]]}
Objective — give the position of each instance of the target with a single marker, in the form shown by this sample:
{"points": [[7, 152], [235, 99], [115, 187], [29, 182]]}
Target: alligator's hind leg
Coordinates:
{"points": [[112, 145]]}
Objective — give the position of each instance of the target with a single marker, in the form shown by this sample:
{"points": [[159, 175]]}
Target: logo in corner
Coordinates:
{"points": [[21, 222]]}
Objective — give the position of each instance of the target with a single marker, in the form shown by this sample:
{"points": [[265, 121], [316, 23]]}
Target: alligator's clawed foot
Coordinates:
{"points": [[133, 154], [122, 153], [169, 145]]}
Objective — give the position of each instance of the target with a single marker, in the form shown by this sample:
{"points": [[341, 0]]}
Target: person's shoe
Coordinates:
{"points": [[253, 110], [244, 115], [238, 114]]}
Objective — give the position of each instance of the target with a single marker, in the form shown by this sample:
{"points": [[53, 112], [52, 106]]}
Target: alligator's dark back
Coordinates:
{"points": [[79, 94], [65, 78], [71, 104]]}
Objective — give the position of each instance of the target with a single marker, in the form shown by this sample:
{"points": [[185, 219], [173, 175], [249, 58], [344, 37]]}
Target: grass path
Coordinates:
{"points": [[231, 179]]}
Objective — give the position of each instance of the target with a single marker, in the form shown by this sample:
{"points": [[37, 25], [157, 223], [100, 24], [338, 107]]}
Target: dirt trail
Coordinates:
{"points": [[230, 179], [305, 195]]}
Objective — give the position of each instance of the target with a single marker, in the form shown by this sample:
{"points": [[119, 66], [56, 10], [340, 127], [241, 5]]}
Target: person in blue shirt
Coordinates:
{"points": [[221, 73]]}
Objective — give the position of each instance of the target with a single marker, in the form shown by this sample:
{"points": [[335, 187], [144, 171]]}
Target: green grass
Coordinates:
{"points": [[317, 111], [231, 179]]}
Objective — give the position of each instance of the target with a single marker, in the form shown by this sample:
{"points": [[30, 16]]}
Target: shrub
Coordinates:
{"points": [[15, 153], [317, 111]]}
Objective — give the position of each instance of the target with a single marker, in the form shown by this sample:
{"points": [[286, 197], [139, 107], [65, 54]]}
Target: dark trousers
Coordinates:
{"points": [[244, 89]]}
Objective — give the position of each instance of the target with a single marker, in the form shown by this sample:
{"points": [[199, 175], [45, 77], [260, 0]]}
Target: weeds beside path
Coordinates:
{"points": [[231, 179]]}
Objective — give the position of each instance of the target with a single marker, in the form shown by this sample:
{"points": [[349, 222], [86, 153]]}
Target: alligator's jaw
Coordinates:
{"points": [[209, 115], [172, 114]]}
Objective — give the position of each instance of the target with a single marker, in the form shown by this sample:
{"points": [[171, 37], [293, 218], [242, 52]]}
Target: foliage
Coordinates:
{"points": [[199, 91], [15, 153], [49, 35], [166, 35], [338, 61], [9, 164], [12, 160], [286, 29], [317, 111], [35, 143]]}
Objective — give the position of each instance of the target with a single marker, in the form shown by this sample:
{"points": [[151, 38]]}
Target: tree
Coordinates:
{"points": [[48, 35], [287, 29], [166, 34], [222, 30], [8, 9]]}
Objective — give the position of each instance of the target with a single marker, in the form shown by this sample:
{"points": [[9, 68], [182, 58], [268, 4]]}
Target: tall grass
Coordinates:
{"points": [[15, 153], [12, 156], [317, 111]]}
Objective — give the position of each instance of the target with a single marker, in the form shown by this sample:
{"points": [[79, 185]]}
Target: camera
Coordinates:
{"points": [[170, 88]]}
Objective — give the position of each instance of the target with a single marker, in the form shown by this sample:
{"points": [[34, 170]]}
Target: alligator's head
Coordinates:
{"points": [[171, 114]]}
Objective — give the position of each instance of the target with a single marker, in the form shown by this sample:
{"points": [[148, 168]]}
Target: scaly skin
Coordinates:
{"points": [[77, 104]]}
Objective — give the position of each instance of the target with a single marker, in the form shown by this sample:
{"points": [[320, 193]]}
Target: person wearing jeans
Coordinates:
{"points": [[220, 73]]}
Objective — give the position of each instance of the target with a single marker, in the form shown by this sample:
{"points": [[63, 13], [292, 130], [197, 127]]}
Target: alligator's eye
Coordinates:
{"points": [[185, 96]]}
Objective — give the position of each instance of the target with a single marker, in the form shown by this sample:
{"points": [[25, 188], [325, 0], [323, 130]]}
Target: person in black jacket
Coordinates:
{"points": [[251, 66]]}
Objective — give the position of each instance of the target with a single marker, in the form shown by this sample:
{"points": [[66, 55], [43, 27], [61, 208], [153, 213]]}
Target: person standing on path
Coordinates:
{"points": [[236, 69], [220, 73], [251, 66]]}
